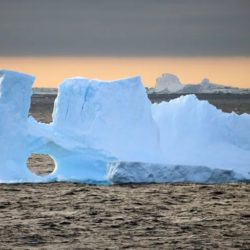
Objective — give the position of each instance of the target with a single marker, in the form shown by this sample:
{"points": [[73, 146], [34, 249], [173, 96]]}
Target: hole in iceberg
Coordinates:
{"points": [[42, 105], [41, 164]]}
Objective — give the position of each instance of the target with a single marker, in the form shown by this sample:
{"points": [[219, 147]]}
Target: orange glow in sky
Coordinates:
{"points": [[50, 71]]}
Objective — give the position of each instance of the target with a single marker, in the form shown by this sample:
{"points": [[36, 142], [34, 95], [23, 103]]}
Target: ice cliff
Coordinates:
{"points": [[98, 124], [111, 116]]}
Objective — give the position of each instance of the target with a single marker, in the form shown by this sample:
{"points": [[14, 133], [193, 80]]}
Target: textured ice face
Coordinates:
{"points": [[97, 122], [112, 116], [15, 94], [139, 172], [194, 132]]}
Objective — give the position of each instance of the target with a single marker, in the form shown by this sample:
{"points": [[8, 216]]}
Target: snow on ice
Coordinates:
{"points": [[109, 131]]}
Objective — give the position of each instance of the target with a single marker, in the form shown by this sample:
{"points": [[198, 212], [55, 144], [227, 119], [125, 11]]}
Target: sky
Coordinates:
{"points": [[54, 39]]}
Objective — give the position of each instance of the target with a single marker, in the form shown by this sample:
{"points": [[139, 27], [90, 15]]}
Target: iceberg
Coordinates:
{"points": [[104, 130], [170, 84]]}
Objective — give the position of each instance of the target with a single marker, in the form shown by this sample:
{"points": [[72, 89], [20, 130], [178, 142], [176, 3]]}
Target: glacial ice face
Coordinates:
{"points": [[96, 123], [15, 94], [194, 132], [111, 116]]}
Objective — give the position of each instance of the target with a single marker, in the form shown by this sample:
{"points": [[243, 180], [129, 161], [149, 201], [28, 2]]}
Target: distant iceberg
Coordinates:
{"points": [[97, 124], [169, 83]]}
